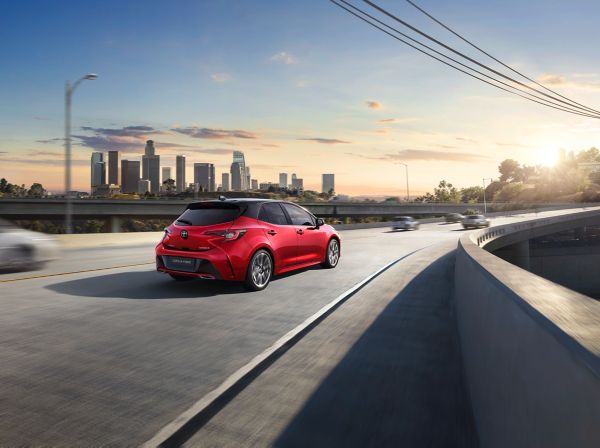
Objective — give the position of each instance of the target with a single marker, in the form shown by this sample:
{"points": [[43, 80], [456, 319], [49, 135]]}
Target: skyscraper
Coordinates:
{"points": [[283, 180], [114, 160], [297, 183], [98, 170], [149, 150], [151, 167], [238, 157], [204, 174], [180, 171], [328, 183], [255, 184], [166, 173], [236, 176], [248, 179], [225, 181], [130, 175]]}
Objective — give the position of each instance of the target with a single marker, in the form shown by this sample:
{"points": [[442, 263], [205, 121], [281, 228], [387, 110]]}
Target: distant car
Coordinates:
{"points": [[405, 223], [245, 240], [22, 249], [475, 221], [453, 217]]}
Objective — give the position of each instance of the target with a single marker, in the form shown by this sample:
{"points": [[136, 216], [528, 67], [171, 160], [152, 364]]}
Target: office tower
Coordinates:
{"points": [[236, 176], [130, 175], [254, 184], [293, 179], [283, 180], [248, 179], [114, 160], [225, 182], [98, 170], [238, 157], [204, 174], [328, 183], [143, 186], [180, 171], [151, 167], [166, 173], [149, 150], [297, 183]]}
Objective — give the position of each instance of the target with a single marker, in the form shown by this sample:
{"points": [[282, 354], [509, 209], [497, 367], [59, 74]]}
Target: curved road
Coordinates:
{"points": [[111, 356]]}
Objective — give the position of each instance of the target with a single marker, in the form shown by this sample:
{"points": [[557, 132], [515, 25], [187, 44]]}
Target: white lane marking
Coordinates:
{"points": [[278, 348]]}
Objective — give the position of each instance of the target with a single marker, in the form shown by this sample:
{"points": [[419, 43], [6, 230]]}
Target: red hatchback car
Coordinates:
{"points": [[247, 240]]}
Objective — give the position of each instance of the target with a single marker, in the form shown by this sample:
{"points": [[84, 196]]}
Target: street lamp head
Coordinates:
{"points": [[91, 76]]}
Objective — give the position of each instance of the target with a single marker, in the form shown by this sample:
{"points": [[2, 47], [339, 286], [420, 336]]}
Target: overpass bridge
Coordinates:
{"points": [[114, 211]]}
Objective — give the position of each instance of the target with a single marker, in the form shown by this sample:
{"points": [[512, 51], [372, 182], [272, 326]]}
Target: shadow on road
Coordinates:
{"points": [[144, 285], [401, 383]]}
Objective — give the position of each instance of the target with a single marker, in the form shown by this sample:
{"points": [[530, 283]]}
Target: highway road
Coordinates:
{"points": [[111, 356]]}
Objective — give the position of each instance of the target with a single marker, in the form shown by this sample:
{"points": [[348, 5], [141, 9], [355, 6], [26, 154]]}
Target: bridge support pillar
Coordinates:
{"points": [[115, 224], [519, 254]]}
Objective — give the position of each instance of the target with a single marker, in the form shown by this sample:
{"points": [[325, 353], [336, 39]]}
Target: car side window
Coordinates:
{"points": [[272, 213], [298, 216]]}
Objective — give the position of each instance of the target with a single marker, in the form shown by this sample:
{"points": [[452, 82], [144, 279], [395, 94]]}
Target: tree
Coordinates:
{"points": [[471, 194], [169, 185], [36, 191], [510, 171], [446, 192]]}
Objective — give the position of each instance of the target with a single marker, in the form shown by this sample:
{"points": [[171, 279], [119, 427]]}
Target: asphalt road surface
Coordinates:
{"points": [[111, 356]]}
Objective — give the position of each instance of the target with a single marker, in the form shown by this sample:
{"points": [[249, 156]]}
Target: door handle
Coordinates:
{"points": [[271, 232], [299, 231]]}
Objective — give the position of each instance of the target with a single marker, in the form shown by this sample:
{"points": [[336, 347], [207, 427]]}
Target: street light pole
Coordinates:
{"points": [[407, 189], [484, 201], [69, 89]]}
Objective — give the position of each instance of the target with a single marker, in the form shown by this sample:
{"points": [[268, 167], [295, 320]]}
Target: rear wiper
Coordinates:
{"points": [[185, 221]]}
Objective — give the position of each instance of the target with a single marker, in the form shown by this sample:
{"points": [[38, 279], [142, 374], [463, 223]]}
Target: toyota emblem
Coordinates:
{"points": [[184, 234]]}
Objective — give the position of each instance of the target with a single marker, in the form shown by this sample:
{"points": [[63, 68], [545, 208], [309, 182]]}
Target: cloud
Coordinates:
{"points": [[127, 131], [41, 118], [425, 155], [466, 139], [44, 162], [514, 145], [284, 57], [220, 77], [51, 140], [325, 141], [589, 82], [374, 105], [214, 134], [397, 120], [211, 150], [270, 145]]}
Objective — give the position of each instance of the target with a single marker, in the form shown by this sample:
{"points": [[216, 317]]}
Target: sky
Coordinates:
{"points": [[299, 86]]}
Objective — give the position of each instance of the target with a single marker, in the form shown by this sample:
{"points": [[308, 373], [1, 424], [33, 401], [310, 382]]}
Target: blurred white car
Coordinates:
{"points": [[405, 223], [475, 221], [22, 249]]}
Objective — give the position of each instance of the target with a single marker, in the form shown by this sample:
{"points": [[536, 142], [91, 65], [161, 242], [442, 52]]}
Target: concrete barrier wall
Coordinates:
{"points": [[530, 350]]}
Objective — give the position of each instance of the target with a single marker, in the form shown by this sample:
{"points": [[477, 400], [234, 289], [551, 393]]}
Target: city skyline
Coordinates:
{"points": [[272, 90]]}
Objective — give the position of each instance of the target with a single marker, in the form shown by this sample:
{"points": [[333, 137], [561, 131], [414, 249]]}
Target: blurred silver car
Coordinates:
{"points": [[453, 217], [475, 221], [22, 249], [405, 223]]}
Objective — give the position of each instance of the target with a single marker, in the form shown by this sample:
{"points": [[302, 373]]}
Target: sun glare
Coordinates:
{"points": [[546, 157]]}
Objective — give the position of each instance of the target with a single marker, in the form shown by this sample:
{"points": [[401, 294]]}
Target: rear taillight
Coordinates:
{"points": [[229, 235]]}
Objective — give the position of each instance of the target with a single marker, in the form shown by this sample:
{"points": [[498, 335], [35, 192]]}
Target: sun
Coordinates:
{"points": [[546, 157]]}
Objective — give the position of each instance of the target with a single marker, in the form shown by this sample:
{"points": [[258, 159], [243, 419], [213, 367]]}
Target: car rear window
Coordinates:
{"points": [[207, 216]]}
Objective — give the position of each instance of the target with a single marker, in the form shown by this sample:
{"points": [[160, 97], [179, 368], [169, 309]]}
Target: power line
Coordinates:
{"points": [[565, 108], [464, 39], [561, 108], [433, 39]]}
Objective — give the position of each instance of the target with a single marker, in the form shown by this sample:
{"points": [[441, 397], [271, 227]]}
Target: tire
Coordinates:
{"points": [[259, 272], [332, 255], [181, 278]]}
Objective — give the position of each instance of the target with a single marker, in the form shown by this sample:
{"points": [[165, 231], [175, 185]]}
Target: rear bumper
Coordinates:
{"points": [[212, 264]]}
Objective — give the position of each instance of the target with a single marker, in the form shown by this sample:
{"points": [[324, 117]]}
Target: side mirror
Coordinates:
{"points": [[320, 222]]}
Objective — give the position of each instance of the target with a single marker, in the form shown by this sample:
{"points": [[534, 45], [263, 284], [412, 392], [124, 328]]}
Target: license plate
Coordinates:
{"points": [[181, 263]]}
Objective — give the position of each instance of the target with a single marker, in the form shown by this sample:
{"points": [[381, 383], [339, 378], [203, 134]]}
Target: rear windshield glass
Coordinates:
{"points": [[207, 216]]}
